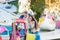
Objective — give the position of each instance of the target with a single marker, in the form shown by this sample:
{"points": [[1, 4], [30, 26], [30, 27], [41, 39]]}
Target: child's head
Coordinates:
{"points": [[16, 27], [25, 14], [30, 18]]}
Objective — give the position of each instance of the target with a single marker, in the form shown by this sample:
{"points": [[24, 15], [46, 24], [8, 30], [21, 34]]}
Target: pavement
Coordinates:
{"points": [[50, 35]]}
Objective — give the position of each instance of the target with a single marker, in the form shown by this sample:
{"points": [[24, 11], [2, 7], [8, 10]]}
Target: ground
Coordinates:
{"points": [[50, 35]]}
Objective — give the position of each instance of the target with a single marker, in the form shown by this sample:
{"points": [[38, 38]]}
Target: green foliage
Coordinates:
{"points": [[38, 7]]}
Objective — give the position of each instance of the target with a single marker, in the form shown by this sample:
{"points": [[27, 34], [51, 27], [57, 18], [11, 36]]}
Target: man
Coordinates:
{"points": [[25, 16]]}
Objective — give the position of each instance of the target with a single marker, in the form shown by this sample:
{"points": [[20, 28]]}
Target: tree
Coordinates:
{"points": [[38, 7]]}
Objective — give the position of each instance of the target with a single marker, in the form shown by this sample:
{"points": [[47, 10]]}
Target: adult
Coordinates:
{"points": [[25, 16]]}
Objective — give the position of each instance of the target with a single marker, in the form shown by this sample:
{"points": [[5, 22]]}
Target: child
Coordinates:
{"points": [[33, 25], [15, 33]]}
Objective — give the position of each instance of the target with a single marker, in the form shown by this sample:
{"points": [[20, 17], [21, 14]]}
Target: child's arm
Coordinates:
{"points": [[32, 24]]}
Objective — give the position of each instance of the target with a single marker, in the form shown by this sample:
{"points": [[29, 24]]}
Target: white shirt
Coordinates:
{"points": [[30, 25]]}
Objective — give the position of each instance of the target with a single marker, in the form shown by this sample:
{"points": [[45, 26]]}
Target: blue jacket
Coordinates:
{"points": [[23, 16]]}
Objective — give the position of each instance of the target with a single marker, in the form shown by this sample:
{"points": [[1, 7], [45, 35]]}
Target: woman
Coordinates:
{"points": [[33, 25]]}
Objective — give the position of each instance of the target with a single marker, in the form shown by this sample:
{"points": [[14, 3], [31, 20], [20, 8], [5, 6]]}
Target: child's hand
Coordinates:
{"points": [[33, 30], [19, 28]]}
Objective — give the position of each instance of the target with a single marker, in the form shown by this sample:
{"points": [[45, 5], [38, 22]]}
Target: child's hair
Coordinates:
{"points": [[25, 12], [16, 28], [33, 19]]}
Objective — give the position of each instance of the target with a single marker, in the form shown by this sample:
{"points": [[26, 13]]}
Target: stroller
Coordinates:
{"points": [[18, 34]]}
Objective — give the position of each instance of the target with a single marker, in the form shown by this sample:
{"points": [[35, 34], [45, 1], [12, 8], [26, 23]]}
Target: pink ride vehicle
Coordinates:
{"points": [[15, 31]]}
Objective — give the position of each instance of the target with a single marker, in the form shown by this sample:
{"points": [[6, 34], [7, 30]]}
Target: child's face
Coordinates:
{"points": [[25, 15], [30, 19]]}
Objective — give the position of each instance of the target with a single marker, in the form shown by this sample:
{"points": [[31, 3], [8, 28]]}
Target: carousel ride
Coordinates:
{"points": [[54, 10]]}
